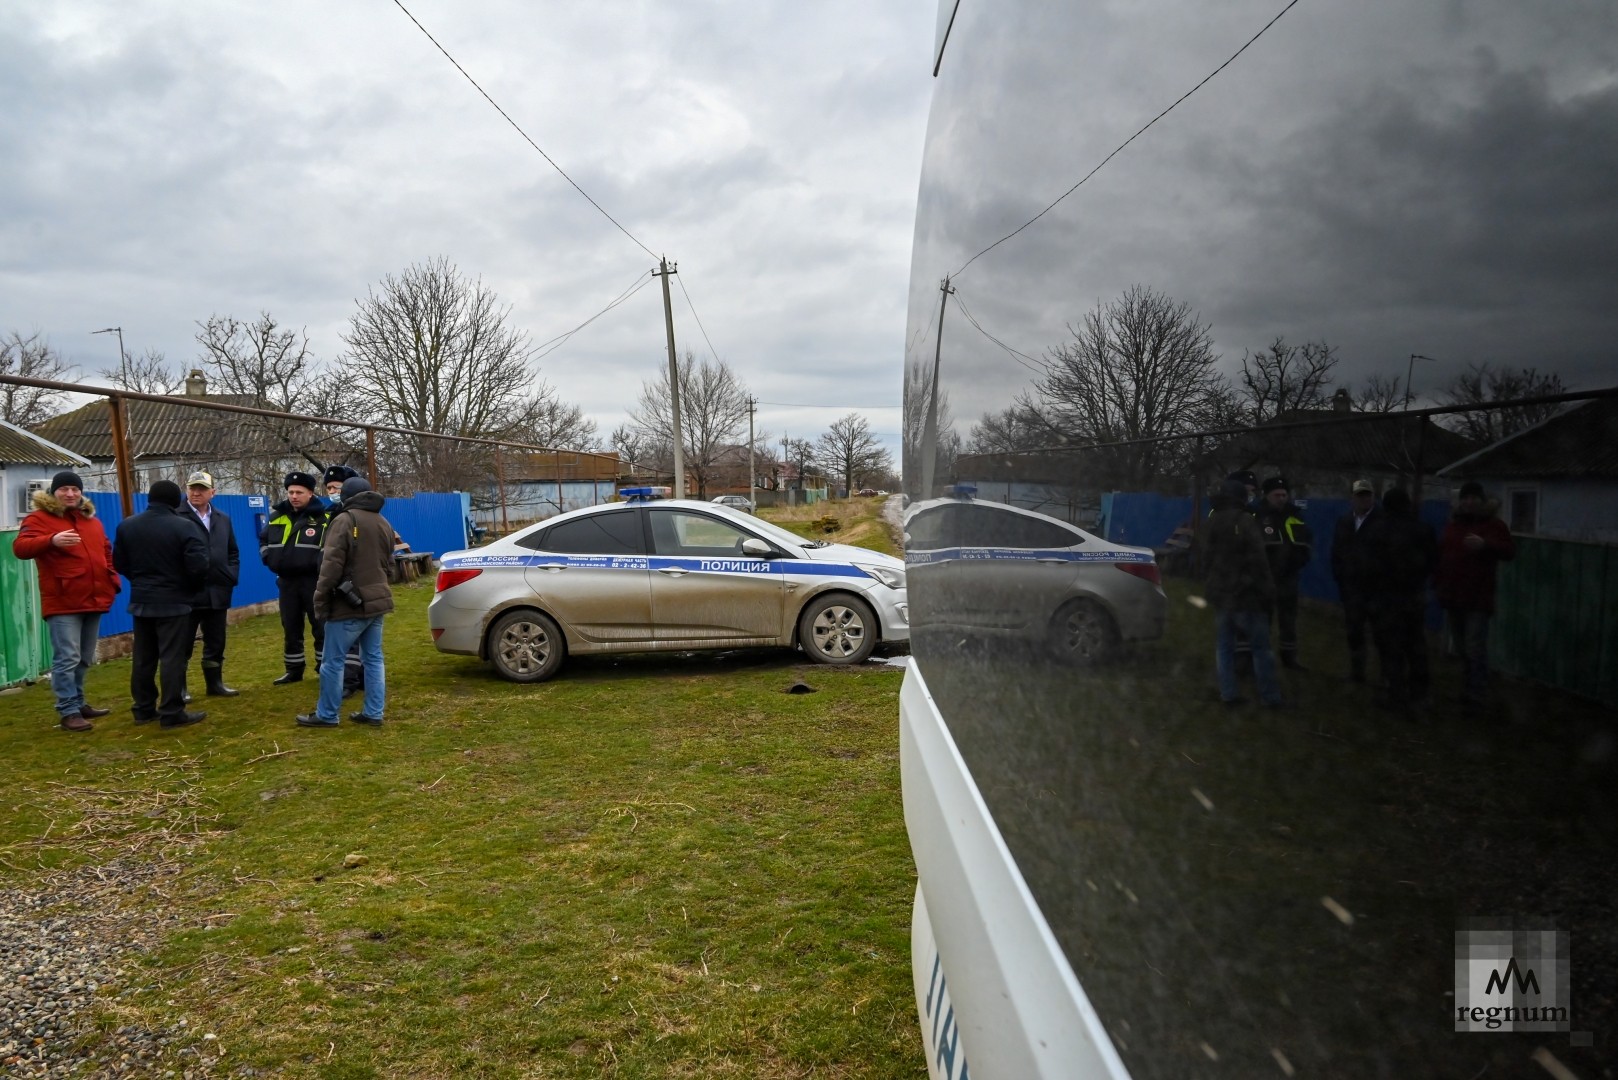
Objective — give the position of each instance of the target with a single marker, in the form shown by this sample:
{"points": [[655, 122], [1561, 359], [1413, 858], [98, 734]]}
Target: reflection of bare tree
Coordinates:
{"points": [[1283, 378], [917, 393], [1482, 383], [1380, 394], [30, 357], [713, 416]]}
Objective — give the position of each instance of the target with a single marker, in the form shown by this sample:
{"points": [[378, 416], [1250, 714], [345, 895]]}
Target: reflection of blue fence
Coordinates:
{"points": [[429, 522]]}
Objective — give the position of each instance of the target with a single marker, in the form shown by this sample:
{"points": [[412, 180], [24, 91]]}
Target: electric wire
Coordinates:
{"points": [[1129, 140], [520, 131], [712, 351], [1037, 366], [545, 349], [802, 405]]}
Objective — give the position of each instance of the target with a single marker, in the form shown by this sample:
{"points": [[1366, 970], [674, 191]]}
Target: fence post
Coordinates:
{"points": [[370, 456], [123, 465]]}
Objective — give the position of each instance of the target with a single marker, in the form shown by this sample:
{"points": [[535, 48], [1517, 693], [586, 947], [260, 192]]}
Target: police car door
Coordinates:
{"points": [[591, 573], [705, 589]]}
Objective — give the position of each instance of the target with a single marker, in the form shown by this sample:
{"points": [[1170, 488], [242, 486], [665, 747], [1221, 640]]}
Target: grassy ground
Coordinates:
{"points": [[858, 521], [650, 867]]}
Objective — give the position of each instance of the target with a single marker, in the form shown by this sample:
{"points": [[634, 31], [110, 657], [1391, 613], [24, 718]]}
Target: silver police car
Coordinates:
{"points": [[663, 575]]}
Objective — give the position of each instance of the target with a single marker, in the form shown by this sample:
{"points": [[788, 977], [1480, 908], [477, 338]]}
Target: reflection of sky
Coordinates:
{"points": [[1391, 178]]}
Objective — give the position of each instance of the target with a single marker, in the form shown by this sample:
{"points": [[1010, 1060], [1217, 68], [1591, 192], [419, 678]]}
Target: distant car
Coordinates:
{"points": [[674, 575], [738, 502], [866, 492], [1053, 583]]}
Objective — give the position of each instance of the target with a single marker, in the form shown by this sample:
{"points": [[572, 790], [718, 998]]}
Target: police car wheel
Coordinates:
{"points": [[837, 630], [1083, 633], [525, 646]]}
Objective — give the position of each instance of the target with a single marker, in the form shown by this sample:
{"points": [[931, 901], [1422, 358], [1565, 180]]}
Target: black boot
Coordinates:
{"points": [[214, 676], [294, 674]]}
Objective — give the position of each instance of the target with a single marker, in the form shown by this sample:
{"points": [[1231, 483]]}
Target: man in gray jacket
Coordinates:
{"points": [[352, 595]]}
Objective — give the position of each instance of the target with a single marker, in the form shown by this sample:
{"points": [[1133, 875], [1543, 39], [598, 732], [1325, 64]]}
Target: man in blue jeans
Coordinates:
{"points": [[1241, 590], [351, 596]]}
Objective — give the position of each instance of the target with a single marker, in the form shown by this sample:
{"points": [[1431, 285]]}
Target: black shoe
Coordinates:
{"points": [[361, 718], [91, 713], [221, 690], [142, 719], [290, 677], [185, 719], [311, 720]]}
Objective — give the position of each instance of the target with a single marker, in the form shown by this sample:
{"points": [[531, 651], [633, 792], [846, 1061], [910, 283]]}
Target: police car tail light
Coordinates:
{"points": [[448, 579], [1147, 571]]}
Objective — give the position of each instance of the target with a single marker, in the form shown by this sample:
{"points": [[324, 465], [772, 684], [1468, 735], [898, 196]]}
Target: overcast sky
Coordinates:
{"points": [[164, 161]]}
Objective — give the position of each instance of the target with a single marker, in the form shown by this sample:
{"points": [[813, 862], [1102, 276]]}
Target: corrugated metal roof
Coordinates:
{"points": [[24, 448], [1581, 443], [1376, 442], [161, 430]]}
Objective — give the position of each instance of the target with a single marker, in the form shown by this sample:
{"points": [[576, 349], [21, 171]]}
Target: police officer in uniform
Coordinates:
{"points": [[1288, 544], [290, 548]]}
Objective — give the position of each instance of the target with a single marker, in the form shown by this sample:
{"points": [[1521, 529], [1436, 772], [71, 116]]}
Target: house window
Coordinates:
{"points": [[1524, 510]]}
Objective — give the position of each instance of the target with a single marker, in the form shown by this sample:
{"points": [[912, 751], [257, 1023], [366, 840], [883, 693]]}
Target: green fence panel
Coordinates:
{"points": [[1557, 617], [25, 646]]}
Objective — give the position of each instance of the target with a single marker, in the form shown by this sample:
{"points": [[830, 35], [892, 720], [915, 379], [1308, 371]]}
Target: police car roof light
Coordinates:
{"points": [[962, 491], [637, 494]]}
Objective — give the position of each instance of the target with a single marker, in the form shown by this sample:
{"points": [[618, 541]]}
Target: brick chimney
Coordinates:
{"points": [[196, 384], [1341, 402]]}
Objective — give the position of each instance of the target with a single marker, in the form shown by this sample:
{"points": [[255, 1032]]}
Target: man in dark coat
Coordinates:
{"points": [[353, 595], [1351, 571], [1401, 552], [353, 668], [1289, 545], [1241, 590], [212, 610], [76, 587], [290, 549], [164, 557], [1474, 544]]}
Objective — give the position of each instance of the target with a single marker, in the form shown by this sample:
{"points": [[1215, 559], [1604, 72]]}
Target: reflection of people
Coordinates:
{"points": [[76, 587], [1241, 590], [1249, 499], [353, 595], [1401, 552], [1349, 569], [1474, 543], [165, 558], [290, 548], [1288, 544], [212, 609]]}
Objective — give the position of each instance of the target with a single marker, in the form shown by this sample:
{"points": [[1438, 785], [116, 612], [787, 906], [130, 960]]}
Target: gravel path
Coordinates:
{"points": [[66, 949]]}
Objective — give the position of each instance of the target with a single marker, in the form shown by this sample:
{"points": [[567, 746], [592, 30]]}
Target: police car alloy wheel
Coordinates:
{"points": [[1083, 633], [525, 646], [837, 630]]}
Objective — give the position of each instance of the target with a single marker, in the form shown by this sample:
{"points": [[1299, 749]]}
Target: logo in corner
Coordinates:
{"points": [[1511, 975]]}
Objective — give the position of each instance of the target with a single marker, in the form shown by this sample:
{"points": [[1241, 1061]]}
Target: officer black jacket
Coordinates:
{"points": [[292, 539]]}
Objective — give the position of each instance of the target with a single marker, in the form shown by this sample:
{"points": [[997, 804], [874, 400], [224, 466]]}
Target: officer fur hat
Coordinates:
{"points": [[301, 479], [1244, 477], [1275, 483], [337, 474]]}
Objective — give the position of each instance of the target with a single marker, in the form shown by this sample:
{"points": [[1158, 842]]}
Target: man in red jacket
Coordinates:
{"points": [[76, 587], [1474, 542]]}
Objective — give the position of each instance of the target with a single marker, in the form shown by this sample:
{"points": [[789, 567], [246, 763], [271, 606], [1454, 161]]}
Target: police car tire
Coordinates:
{"points": [[837, 629], [1083, 632], [515, 639]]}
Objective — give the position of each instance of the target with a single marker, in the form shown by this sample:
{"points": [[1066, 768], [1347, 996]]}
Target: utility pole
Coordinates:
{"points": [[752, 472], [663, 271], [123, 364], [786, 450], [1410, 370], [929, 433]]}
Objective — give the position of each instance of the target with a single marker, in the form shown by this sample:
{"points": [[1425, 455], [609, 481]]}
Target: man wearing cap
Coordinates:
{"points": [[1475, 542], [76, 587], [1351, 570], [165, 558], [353, 595], [224, 569], [290, 548], [1288, 545]]}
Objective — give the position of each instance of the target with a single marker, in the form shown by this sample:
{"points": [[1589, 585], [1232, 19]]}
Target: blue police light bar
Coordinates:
{"points": [[640, 494], [962, 491]]}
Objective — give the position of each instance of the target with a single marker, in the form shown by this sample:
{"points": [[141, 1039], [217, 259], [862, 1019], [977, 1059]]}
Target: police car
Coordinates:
{"points": [[653, 574]]}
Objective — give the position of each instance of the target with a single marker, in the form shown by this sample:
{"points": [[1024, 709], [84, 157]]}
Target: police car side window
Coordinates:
{"points": [[990, 526], [676, 532], [617, 533]]}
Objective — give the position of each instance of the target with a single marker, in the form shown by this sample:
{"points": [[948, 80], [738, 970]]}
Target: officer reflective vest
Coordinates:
{"points": [[292, 539]]}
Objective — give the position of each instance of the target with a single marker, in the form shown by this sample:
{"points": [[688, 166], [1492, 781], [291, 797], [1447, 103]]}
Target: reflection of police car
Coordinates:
{"points": [[989, 568], [658, 576]]}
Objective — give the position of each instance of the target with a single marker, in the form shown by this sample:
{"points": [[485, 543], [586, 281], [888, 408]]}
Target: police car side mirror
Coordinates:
{"points": [[757, 548]]}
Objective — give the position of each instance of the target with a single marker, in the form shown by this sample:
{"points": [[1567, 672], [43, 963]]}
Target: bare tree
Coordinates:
{"points": [[917, 392], [553, 422], [430, 349], [30, 357], [1283, 378], [800, 455], [148, 373], [1139, 367], [713, 415], [1481, 384], [1014, 428], [849, 451], [1380, 394]]}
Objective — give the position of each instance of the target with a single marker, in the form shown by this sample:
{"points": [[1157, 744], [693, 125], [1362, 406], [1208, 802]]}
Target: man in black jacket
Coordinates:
{"points": [[1288, 545], [1402, 552], [290, 548], [212, 609], [1351, 571], [165, 560]]}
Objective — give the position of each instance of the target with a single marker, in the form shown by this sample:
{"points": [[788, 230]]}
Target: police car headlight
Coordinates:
{"points": [[893, 579]]}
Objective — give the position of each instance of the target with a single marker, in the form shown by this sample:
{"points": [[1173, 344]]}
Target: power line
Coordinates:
{"points": [[1127, 141], [545, 349], [519, 129], [1038, 367], [714, 352], [801, 405]]}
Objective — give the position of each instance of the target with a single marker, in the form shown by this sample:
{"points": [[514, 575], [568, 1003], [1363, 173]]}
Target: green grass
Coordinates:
{"points": [[652, 866]]}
